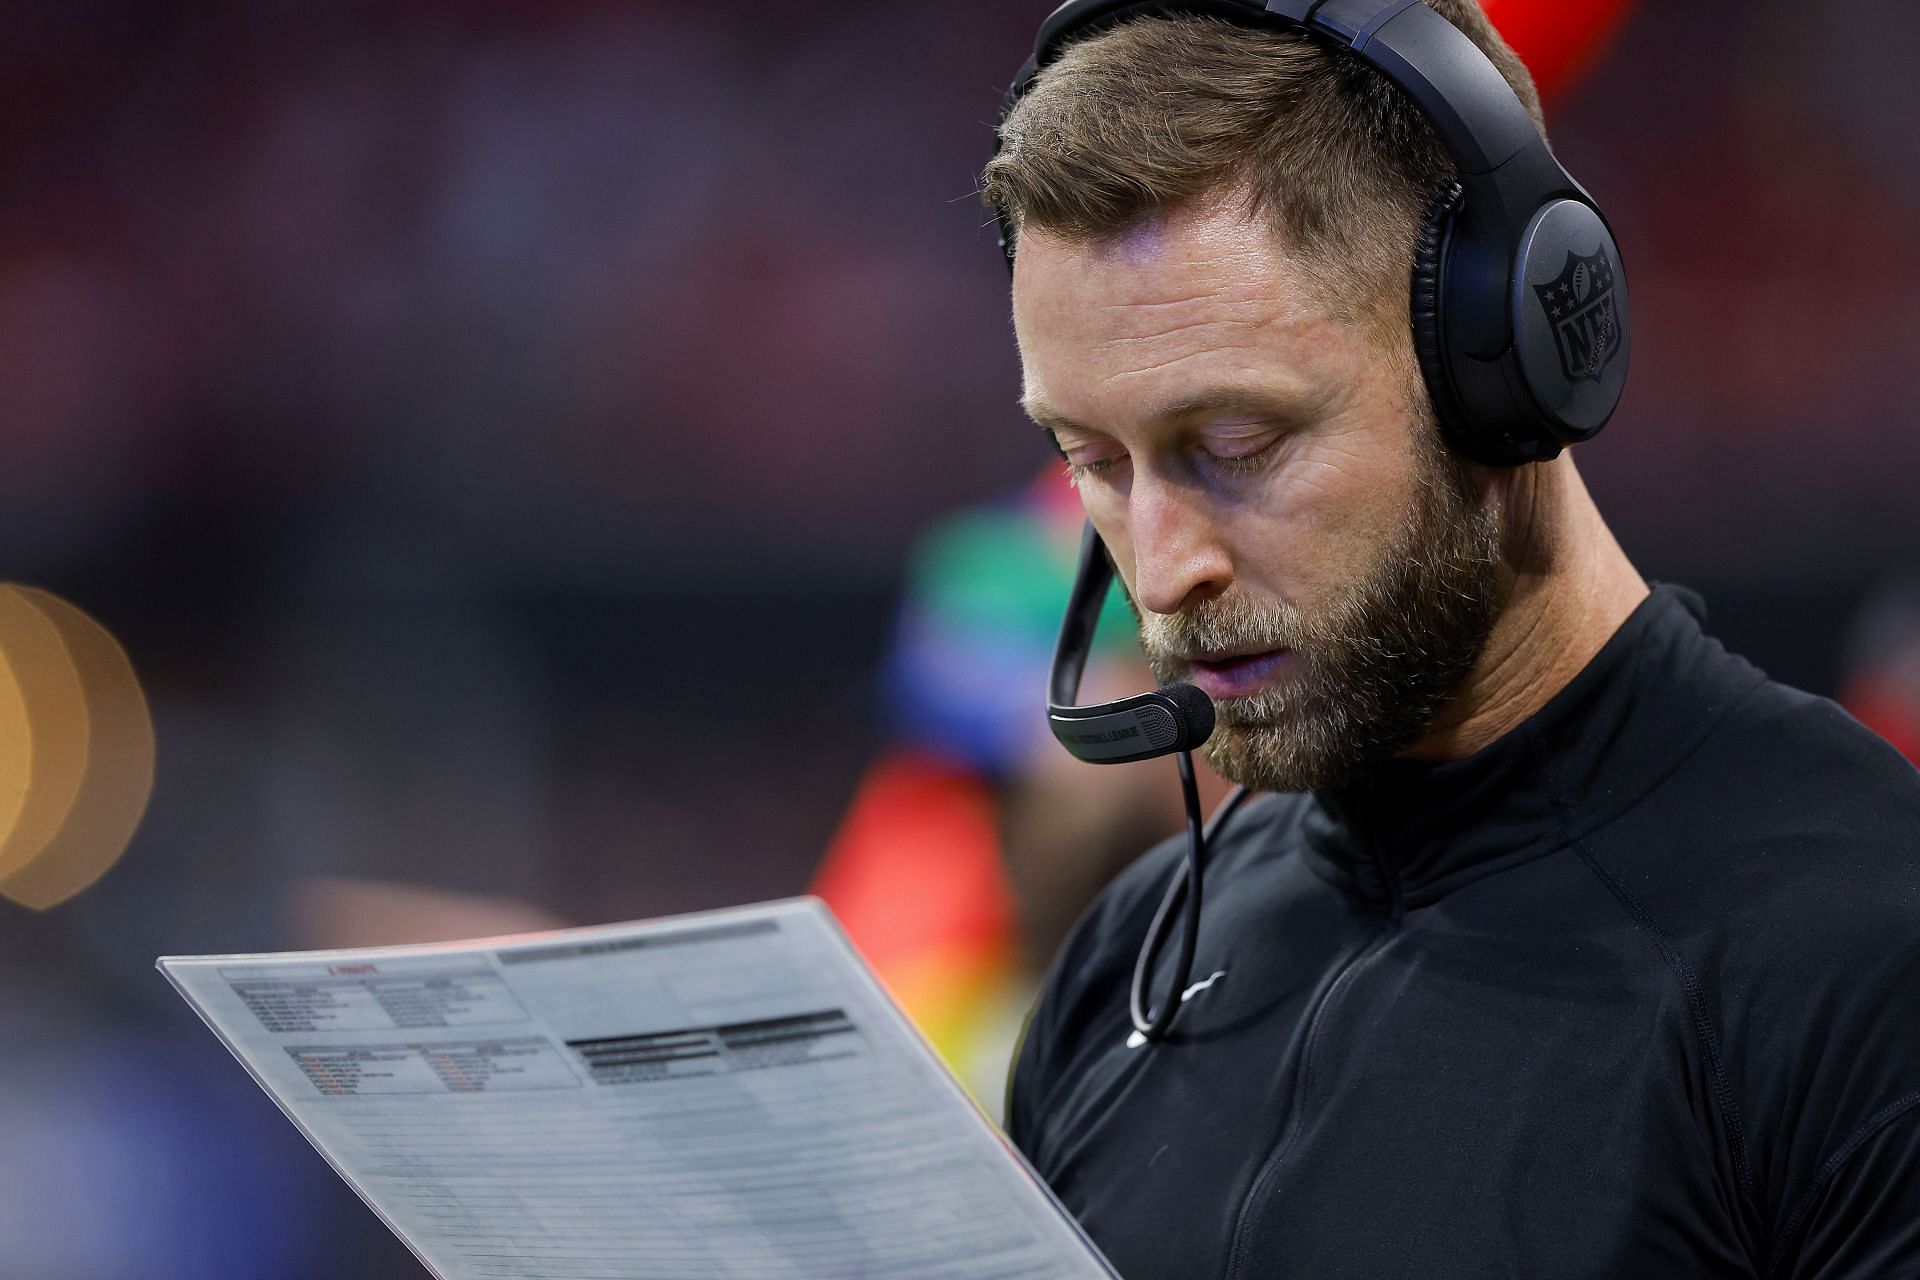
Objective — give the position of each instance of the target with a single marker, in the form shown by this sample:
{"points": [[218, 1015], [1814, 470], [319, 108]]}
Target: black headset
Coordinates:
{"points": [[1520, 312], [1519, 319]]}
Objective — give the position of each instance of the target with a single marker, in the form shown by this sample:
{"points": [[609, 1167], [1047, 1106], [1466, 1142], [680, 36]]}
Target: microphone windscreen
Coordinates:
{"points": [[1196, 713]]}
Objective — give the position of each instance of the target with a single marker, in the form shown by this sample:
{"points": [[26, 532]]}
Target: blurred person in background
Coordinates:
{"points": [[1554, 939], [973, 842]]}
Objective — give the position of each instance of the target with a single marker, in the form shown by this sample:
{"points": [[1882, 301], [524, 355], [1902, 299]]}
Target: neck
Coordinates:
{"points": [[1569, 586]]}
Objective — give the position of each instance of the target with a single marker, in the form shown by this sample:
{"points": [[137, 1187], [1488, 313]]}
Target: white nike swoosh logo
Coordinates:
{"points": [[1135, 1039]]}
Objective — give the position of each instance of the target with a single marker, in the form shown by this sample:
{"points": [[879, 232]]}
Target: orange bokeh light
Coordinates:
{"points": [[76, 748]]}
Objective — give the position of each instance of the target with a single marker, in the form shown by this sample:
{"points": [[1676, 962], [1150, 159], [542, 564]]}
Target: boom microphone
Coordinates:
{"points": [[1177, 717], [1172, 720]]}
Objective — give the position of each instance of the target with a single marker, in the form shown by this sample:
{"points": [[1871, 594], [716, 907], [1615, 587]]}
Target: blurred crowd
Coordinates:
{"points": [[498, 430]]}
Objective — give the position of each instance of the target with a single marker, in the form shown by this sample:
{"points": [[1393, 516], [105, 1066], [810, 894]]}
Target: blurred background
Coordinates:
{"points": [[491, 427]]}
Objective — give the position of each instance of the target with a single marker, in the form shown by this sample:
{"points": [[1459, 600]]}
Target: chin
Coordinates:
{"points": [[1282, 752]]}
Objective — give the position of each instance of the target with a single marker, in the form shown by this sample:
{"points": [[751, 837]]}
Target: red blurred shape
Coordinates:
{"points": [[1888, 705], [915, 867], [1558, 39]]}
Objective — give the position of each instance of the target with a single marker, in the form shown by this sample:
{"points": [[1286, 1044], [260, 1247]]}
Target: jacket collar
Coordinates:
{"points": [[1413, 831]]}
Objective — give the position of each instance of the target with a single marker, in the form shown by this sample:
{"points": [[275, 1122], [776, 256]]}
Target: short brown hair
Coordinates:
{"points": [[1155, 113]]}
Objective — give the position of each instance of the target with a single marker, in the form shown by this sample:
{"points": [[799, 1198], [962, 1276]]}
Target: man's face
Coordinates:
{"points": [[1291, 535]]}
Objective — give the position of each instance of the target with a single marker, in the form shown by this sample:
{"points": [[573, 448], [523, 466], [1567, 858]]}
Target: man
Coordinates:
{"points": [[1562, 943]]}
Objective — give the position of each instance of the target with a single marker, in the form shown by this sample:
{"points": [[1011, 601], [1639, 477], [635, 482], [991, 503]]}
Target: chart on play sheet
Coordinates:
{"points": [[725, 1095]]}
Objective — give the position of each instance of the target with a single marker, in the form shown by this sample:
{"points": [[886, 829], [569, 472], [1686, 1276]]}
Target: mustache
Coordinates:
{"points": [[1225, 624]]}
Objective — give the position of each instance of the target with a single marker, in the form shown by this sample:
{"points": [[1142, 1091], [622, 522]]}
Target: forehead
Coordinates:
{"points": [[1178, 304]]}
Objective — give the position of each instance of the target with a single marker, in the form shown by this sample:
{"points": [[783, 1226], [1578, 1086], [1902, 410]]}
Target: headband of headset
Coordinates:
{"points": [[1520, 315]]}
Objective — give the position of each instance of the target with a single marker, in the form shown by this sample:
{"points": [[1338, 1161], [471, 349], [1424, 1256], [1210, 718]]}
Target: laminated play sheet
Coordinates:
{"points": [[728, 1094]]}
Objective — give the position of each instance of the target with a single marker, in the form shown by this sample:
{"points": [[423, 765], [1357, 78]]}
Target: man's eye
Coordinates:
{"points": [[1242, 452], [1090, 459], [1091, 467]]}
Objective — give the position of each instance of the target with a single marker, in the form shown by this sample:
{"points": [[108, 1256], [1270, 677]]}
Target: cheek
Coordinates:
{"points": [[1107, 510], [1323, 517]]}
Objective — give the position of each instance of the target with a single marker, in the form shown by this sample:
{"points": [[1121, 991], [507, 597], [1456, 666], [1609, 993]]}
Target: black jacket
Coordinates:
{"points": [[1633, 992]]}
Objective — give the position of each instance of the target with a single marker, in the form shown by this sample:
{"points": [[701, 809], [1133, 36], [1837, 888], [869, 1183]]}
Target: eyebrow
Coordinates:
{"points": [[1219, 400]]}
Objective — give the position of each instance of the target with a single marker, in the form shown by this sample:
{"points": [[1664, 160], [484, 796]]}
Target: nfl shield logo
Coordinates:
{"points": [[1585, 323]]}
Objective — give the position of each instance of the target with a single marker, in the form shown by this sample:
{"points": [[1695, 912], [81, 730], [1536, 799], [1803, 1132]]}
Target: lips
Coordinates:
{"points": [[1237, 675]]}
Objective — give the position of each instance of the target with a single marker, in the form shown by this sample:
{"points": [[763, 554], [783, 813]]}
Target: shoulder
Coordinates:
{"points": [[1787, 841], [1806, 811], [1812, 834], [1781, 862], [1814, 949], [1808, 853], [1743, 782], [1813, 750]]}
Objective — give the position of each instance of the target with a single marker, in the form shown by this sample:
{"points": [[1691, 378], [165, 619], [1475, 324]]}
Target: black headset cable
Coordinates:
{"points": [[1186, 883]]}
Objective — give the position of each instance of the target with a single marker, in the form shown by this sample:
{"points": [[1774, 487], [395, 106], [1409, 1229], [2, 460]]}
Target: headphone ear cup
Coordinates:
{"points": [[1429, 256]]}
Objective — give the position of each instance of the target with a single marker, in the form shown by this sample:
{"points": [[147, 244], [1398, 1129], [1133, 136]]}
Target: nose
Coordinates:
{"points": [[1178, 558]]}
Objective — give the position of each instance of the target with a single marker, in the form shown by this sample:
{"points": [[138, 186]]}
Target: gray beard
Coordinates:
{"points": [[1377, 665]]}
